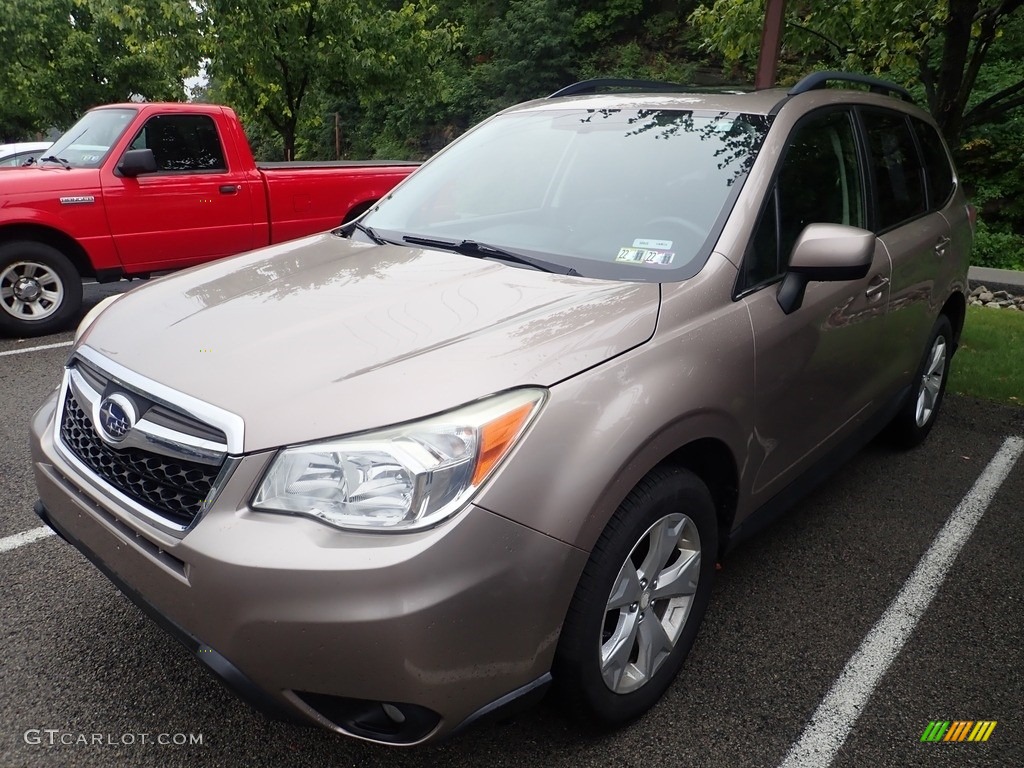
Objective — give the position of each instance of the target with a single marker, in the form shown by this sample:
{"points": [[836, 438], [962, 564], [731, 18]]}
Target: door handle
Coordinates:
{"points": [[941, 245], [876, 288], [228, 189]]}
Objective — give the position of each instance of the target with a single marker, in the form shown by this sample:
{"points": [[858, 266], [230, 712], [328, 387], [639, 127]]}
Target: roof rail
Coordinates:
{"points": [[592, 86], [818, 80]]}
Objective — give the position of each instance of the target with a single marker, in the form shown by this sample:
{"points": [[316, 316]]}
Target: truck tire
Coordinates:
{"points": [[40, 289], [358, 210]]}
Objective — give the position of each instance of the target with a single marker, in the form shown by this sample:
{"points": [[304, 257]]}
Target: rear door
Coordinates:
{"points": [[818, 373], [915, 234], [195, 208]]}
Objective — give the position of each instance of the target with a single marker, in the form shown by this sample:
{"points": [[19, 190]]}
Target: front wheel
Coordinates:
{"points": [[40, 290], [640, 600], [917, 415]]}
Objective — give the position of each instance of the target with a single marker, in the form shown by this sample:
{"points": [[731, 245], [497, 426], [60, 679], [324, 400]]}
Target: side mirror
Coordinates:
{"points": [[136, 162], [826, 253]]}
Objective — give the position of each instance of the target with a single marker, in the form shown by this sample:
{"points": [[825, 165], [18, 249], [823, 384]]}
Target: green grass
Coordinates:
{"points": [[990, 361]]}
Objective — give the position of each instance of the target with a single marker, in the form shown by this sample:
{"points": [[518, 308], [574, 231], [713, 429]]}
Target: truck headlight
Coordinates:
{"points": [[400, 479]]}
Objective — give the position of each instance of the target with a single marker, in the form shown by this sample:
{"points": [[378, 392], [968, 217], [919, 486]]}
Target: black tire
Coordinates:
{"points": [[918, 413], [666, 494], [40, 289]]}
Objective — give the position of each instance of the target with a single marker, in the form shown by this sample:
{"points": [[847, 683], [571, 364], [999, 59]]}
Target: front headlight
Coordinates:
{"points": [[401, 479]]}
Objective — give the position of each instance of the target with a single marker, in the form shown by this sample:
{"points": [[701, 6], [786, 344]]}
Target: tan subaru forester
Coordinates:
{"points": [[493, 435]]}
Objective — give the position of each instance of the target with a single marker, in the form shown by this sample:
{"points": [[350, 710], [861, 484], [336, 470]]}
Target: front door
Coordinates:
{"points": [[818, 370], [195, 208]]}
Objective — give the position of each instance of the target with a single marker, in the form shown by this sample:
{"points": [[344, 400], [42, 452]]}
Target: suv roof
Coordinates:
{"points": [[730, 98]]}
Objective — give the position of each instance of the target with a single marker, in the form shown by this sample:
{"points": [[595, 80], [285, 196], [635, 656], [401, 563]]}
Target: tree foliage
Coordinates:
{"points": [[276, 60], [939, 45], [63, 56]]}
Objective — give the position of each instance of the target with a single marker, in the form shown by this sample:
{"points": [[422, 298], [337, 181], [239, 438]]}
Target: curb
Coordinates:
{"points": [[996, 279]]}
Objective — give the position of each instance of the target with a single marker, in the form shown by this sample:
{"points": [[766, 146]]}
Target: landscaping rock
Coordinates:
{"points": [[983, 297]]}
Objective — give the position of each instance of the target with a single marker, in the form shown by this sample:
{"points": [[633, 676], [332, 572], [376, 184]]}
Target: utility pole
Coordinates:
{"points": [[771, 42]]}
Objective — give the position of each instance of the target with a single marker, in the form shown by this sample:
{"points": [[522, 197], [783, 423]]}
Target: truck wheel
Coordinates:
{"points": [[640, 599], [357, 211], [40, 290]]}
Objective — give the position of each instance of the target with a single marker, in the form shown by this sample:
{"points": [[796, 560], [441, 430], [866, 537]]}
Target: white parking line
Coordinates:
{"points": [[25, 537], [835, 716], [36, 349]]}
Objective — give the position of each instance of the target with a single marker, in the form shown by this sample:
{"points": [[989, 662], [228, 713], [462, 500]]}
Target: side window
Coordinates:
{"points": [[819, 183], [936, 163], [899, 175], [182, 143]]}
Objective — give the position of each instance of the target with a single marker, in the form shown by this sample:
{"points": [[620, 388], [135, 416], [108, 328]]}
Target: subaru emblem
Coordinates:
{"points": [[116, 418]]}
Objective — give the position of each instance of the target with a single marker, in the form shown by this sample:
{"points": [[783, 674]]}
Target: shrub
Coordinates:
{"points": [[996, 246]]}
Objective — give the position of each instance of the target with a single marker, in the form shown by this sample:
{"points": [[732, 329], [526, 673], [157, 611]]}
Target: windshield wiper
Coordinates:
{"points": [[485, 251], [347, 229], [55, 159]]}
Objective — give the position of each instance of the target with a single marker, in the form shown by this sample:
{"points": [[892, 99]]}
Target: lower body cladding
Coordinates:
{"points": [[398, 639]]}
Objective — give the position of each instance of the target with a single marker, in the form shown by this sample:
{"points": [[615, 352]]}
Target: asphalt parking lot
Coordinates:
{"points": [[790, 609]]}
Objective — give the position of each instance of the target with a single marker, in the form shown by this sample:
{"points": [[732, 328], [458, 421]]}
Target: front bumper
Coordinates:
{"points": [[390, 638]]}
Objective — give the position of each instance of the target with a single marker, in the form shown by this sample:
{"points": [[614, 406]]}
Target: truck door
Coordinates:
{"points": [[193, 209]]}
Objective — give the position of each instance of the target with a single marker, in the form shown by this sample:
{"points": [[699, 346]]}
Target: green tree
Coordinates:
{"points": [[647, 39], [272, 58], [941, 44], [63, 56]]}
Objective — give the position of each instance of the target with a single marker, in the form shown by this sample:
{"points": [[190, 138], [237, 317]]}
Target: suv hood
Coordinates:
{"points": [[324, 336]]}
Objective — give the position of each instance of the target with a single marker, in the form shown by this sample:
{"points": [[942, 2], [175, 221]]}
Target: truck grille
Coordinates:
{"points": [[174, 489]]}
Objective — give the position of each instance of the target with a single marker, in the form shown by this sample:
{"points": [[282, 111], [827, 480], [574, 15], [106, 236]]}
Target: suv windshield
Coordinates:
{"points": [[613, 193], [87, 142]]}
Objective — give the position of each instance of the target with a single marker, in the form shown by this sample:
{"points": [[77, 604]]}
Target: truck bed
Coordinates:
{"points": [[297, 165]]}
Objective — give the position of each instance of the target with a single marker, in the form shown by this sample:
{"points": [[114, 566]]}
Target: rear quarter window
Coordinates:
{"points": [[936, 164]]}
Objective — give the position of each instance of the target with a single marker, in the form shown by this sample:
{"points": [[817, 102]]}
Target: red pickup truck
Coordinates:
{"points": [[133, 189]]}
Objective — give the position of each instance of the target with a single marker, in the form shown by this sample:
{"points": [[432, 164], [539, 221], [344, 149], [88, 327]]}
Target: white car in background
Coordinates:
{"points": [[12, 155]]}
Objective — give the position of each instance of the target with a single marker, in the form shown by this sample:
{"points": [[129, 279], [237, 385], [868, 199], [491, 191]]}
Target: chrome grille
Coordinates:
{"points": [[155, 413], [175, 489]]}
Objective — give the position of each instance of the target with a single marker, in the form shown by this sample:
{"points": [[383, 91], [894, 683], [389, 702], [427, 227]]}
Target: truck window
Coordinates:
{"points": [[182, 143]]}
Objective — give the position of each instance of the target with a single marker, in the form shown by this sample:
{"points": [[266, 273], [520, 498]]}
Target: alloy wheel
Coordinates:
{"points": [[649, 603], [931, 382]]}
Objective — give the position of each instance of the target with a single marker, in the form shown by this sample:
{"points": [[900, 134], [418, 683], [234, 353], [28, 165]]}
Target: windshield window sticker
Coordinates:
{"points": [[645, 256], [654, 245]]}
